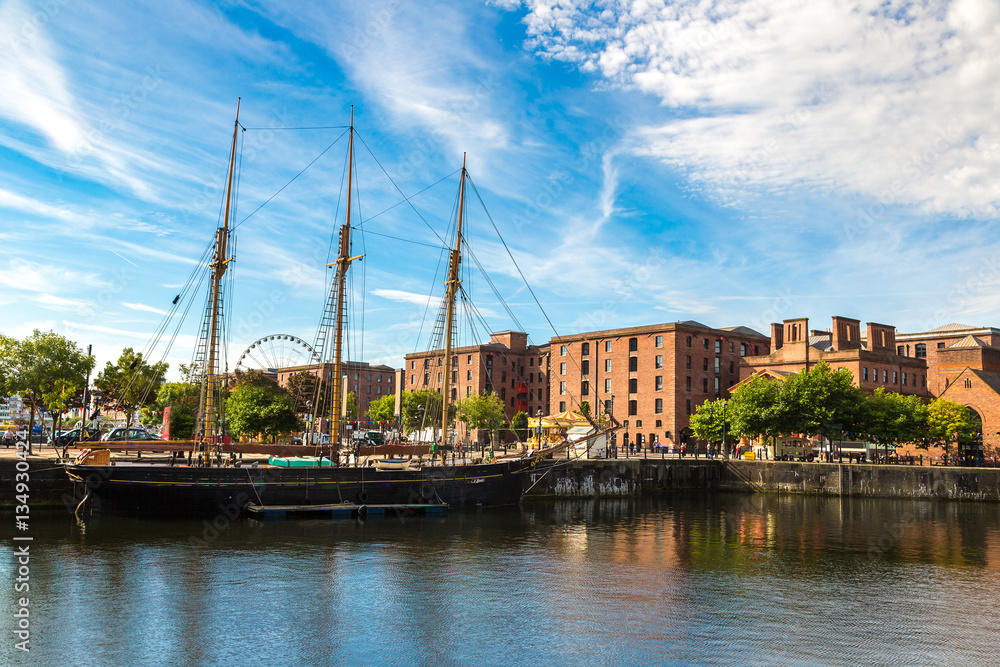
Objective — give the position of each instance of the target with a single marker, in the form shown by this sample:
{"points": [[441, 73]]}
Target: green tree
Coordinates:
{"points": [[131, 383], [182, 398], [383, 409], [480, 411], [302, 387], [254, 408], [421, 409], [519, 423], [890, 419], [711, 421], [756, 409], [821, 401], [44, 369], [948, 423]]}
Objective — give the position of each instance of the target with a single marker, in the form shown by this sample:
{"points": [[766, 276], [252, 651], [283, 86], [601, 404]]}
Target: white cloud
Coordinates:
{"points": [[408, 297], [892, 100], [143, 307]]}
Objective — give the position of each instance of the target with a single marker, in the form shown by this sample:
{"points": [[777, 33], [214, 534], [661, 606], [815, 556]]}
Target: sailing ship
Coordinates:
{"points": [[205, 486]]}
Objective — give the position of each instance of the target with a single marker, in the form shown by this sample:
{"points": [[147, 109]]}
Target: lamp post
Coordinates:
{"points": [[538, 415], [725, 447]]}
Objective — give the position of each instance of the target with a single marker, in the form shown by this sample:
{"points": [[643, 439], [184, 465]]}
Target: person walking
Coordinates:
{"points": [[8, 439]]}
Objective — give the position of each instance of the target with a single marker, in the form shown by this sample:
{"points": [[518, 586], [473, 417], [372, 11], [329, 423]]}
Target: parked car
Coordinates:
{"points": [[75, 436], [137, 434]]}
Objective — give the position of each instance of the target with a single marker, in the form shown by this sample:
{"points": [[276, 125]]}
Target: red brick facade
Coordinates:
{"points": [[369, 383], [871, 359], [657, 374]]}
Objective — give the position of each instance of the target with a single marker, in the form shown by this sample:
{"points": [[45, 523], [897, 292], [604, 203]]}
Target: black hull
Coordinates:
{"points": [[179, 490]]}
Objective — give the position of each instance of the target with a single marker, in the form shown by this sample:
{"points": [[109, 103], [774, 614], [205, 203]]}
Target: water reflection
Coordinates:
{"points": [[720, 579]]}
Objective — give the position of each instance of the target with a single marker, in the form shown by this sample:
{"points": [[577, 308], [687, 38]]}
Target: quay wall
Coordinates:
{"points": [[626, 477]]}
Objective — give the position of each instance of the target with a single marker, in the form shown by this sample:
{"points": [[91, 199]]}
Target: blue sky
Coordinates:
{"points": [[736, 163]]}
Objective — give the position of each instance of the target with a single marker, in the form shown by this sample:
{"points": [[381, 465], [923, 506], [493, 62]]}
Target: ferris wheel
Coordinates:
{"points": [[277, 351]]}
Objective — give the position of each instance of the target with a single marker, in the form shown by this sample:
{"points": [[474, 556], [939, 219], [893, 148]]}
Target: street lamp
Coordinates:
{"points": [[539, 416]]}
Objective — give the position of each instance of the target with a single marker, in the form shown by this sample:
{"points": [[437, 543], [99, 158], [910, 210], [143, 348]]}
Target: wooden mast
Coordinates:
{"points": [[343, 263], [219, 263], [451, 288]]}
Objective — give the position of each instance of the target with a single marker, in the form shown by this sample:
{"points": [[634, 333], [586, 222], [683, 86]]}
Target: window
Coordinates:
{"points": [[585, 367], [585, 349], [716, 386], [904, 379], [585, 388], [440, 361], [633, 344], [562, 350], [731, 347], [607, 385], [541, 378], [427, 362], [756, 351], [454, 376], [607, 346], [427, 379], [864, 373], [413, 364], [688, 383], [607, 406], [689, 345], [468, 375], [562, 368], [894, 378], [357, 376], [607, 365], [633, 386], [743, 349], [718, 347], [732, 367], [531, 361], [704, 385], [687, 406], [659, 341], [658, 362], [413, 379], [920, 351], [439, 376], [658, 383], [489, 359], [704, 343], [531, 377], [562, 388], [718, 364], [899, 350], [659, 423], [468, 391], [968, 383], [923, 381], [689, 362], [562, 406], [633, 407], [638, 424], [633, 364], [940, 346], [704, 364], [503, 393], [885, 377]]}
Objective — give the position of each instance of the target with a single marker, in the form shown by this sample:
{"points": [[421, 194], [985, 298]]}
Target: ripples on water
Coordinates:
{"points": [[719, 580]]}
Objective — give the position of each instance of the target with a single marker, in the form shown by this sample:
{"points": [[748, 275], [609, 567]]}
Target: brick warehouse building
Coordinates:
{"points": [[508, 365], [872, 359], [369, 383], [658, 374], [963, 365]]}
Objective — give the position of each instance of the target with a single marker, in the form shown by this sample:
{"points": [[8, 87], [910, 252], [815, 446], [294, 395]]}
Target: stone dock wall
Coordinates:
{"points": [[633, 476]]}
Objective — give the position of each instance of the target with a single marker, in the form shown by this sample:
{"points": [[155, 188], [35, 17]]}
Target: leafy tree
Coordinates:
{"points": [[890, 418], [45, 369], [480, 411], [519, 423], [948, 423], [821, 401], [182, 398], [756, 409], [421, 408], [254, 408], [383, 409], [131, 383], [711, 421]]}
